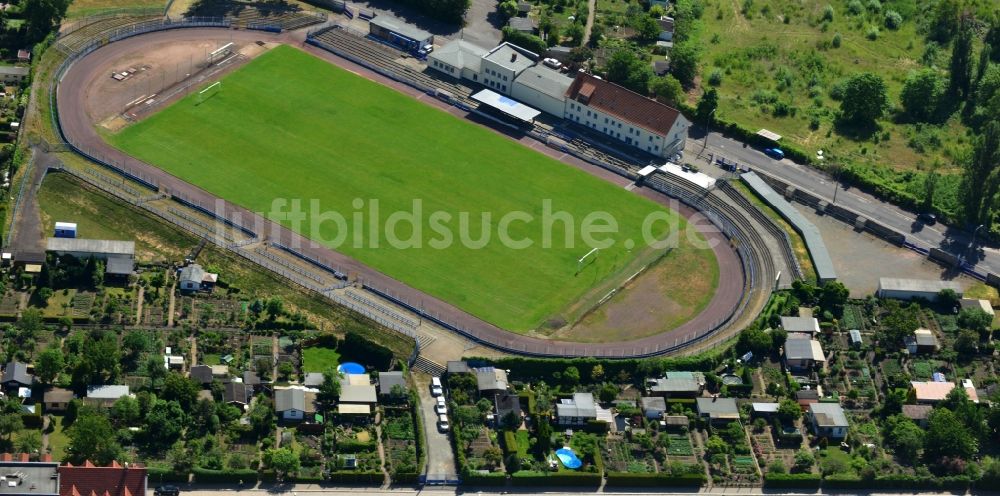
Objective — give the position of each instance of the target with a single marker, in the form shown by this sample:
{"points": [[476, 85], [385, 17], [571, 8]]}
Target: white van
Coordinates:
{"points": [[436, 389]]}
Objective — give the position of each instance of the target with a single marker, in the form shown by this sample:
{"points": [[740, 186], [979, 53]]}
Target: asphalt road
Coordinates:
{"points": [[950, 239], [79, 128]]}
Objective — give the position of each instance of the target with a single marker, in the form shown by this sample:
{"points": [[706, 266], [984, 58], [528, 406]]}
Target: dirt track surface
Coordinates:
{"points": [[80, 129]]}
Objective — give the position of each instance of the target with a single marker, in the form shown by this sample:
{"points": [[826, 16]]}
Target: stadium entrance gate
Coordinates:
{"points": [[439, 480]]}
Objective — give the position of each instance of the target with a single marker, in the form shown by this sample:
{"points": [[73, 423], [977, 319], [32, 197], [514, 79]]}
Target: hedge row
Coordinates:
{"points": [[531, 478], [350, 477], [624, 479], [480, 479], [810, 481], [209, 475], [163, 474]]}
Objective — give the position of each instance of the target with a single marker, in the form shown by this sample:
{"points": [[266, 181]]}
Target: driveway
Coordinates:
{"points": [[440, 458]]}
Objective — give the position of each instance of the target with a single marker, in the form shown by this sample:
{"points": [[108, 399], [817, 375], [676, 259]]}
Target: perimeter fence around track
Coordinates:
{"points": [[743, 245]]}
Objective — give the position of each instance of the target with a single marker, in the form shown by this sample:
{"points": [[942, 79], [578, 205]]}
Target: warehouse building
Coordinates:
{"points": [[119, 256], [400, 34], [626, 116], [910, 289]]}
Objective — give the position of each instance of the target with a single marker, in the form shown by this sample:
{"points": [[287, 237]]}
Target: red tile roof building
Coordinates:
{"points": [[91, 480], [626, 115]]}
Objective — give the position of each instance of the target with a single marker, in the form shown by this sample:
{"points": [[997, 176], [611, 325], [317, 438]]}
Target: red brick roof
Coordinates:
{"points": [[622, 103], [114, 480]]}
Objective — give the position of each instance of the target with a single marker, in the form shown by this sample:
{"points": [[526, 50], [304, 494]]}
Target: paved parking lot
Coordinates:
{"points": [[860, 259]]}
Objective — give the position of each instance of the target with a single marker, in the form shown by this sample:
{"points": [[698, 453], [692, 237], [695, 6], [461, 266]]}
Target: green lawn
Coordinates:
{"points": [[291, 126], [58, 440], [316, 359]]}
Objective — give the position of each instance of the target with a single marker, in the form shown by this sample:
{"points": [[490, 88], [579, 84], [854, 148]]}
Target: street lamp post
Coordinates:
{"points": [[836, 184], [708, 128]]}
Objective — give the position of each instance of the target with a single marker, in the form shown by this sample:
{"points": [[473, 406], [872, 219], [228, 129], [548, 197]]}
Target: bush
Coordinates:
{"points": [[836, 40], [715, 78], [872, 33], [828, 13], [893, 20]]}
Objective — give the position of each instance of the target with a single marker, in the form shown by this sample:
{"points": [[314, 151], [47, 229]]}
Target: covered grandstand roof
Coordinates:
{"points": [[810, 233], [400, 27], [506, 105]]}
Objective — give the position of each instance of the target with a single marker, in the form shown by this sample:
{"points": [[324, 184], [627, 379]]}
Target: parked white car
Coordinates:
{"points": [[436, 388], [443, 424]]}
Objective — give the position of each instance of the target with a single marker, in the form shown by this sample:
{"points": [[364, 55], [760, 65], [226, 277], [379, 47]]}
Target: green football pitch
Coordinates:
{"points": [[292, 126]]}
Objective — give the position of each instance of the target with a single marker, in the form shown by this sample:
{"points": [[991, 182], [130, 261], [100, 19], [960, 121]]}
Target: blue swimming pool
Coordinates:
{"points": [[351, 368], [568, 458]]}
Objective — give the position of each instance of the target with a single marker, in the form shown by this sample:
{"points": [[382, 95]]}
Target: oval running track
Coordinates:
{"points": [[78, 128]]}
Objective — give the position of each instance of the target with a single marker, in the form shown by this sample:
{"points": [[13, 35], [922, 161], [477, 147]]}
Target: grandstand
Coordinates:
{"points": [[383, 58], [83, 34], [259, 15]]}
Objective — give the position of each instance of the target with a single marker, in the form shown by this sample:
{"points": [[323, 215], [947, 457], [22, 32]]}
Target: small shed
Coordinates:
{"points": [[855, 337]]}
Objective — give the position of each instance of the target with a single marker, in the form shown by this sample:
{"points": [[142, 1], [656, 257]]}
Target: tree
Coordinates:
{"points": [[904, 437], [944, 21], [975, 319], [980, 175], [684, 63], [704, 112], [181, 389], [921, 94], [507, 8], [575, 31], [275, 307], [544, 443], [49, 365], [10, 423], [41, 16], [646, 28], [833, 296], [285, 370], [804, 460], [30, 322], [789, 411], [571, 376], [29, 441], [947, 437], [330, 389], [865, 99], [992, 39], [608, 393], [283, 461], [967, 343], [125, 411], [961, 59], [667, 89], [91, 437], [624, 67], [164, 424], [755, 340], [155, 369], [134, 343]]}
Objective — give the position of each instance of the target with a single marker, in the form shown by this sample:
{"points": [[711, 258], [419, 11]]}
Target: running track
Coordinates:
{"points": [[79, 129]]}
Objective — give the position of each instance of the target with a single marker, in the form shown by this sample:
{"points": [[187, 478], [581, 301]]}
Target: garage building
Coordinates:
{"points": [[909, 289]]}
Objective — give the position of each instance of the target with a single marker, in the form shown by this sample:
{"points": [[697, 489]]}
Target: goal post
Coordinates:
{"points": [[210, 91], [587, 259]]}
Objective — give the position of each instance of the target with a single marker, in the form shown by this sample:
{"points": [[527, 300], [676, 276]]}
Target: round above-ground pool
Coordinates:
{"points": [[568, 458], [351, 368]]}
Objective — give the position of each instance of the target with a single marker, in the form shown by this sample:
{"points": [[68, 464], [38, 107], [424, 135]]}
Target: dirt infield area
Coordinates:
{"points": [[649, 313]]}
